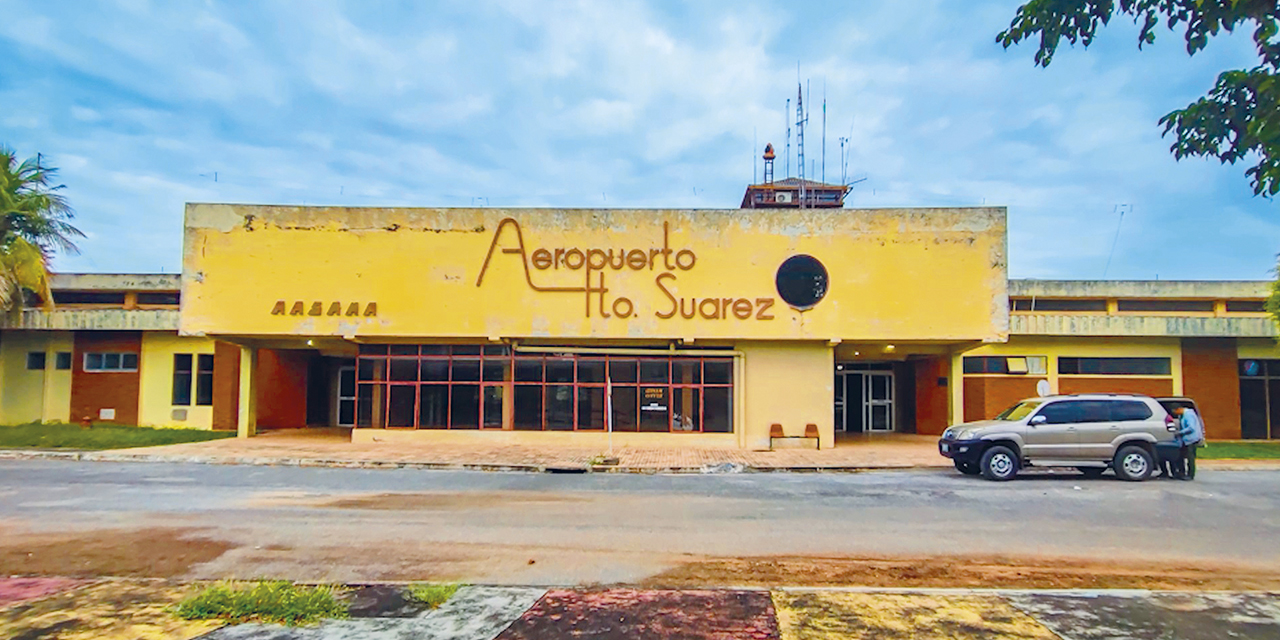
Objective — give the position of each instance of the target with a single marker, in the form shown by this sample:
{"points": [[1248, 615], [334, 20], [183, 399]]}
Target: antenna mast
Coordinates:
{"points": [[800, 119], [784, 119], [824, 130]]}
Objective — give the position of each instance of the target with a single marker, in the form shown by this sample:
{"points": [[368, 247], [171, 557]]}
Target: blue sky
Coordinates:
{"points": [[619, 103]]}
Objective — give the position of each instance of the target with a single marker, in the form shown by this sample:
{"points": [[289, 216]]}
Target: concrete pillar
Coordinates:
{"points": [[955, 384], [247, 420]]}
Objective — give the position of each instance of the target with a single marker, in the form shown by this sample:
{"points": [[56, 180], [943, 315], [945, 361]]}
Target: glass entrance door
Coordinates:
{"points": [[864, 401], [347, 397], [878, 400]]}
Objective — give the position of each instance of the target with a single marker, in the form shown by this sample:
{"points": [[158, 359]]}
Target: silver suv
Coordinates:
{"points": [[1091, 432]]}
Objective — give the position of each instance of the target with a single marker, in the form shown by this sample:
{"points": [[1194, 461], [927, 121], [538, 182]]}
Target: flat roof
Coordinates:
{"points": [[116, 282], [1215, 289]]}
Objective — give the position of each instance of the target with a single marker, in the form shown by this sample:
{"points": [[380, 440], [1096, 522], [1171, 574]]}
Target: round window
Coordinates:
{"points": [[802, 281]]}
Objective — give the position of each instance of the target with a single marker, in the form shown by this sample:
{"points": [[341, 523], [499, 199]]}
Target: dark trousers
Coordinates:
{"points": [[1170, 460], [1189, 461]]}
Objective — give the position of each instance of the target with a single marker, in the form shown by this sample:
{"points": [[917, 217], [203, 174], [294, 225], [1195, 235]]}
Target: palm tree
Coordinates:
{"points": [[34, 223]]}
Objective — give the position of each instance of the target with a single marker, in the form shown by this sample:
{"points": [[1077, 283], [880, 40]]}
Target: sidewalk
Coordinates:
{"points": [[333, 448], [137, 609]]}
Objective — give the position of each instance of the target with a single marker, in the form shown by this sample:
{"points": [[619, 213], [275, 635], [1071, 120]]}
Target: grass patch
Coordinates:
{"points": [[1240, 451], [275, 601], [58, 435], [432, 595]]}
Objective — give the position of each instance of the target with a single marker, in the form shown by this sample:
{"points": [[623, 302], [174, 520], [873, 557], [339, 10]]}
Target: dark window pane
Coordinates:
{"points": [[404, 349], [1185, 306], [159, 298], [559, 403], [346, 412], [181, 388], [464, 408], [591, 407], [89, 297], [654, 409], [1095, 411], [1253, 409], [401, 405], [686, 371], [1067, 304], [433, 406], [373, 349], [129, 361], [590, 370], [435, 350], [624, 409], [93, 362], [404, 369], [1128, 410], [528, 410], [466, 370], [529, 369], [1062, 412], [559, 370], [346, 383], [1114, 366], [497, 370], [1246, 306], [371, 408], [718, 371], [435, 370], [655, 371], [1273, 391], [372, 370], [63, 360], [493, 407], [204, 380], [35, 360], [496, 350], [1020, 305], [466, 349], [622, 371], [686, 410], [717, 414], [111, 361]]}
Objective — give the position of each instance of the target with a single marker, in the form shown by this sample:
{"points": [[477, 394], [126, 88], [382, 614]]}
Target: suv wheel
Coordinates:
{"points": [[999, 463], [967, 468], [1133, 463]]}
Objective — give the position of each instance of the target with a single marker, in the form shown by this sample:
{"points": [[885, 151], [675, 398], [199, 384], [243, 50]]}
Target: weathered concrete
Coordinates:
{"points": [[623, 614], [115, 282], [1157, 616], [99, 319], [1049, 324], [1201, 289]]}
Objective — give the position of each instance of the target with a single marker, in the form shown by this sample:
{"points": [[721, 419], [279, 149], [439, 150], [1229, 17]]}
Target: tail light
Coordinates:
{"points": [[1169, 422]]}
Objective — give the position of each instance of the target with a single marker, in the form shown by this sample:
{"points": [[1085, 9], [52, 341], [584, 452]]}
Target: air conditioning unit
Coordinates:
{"points": [[783, 197]]}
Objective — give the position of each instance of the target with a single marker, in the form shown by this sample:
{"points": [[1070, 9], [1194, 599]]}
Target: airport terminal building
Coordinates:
{"points": [[700, 328]]}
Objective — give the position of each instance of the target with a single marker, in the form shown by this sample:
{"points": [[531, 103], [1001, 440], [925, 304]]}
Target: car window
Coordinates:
{"points": [[1095, 410], [1019, 411], [1170, 405], [1062, 412], [1129, 410]]}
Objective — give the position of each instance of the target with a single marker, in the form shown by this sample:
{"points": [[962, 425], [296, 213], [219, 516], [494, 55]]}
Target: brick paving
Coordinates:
{"points": [[334, 446]]}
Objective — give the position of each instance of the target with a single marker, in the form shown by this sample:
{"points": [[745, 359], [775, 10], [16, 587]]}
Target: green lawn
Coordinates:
{"points": [[101, 436], [1240, 451]]}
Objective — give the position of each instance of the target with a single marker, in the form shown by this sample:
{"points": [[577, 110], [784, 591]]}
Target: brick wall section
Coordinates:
{"points": [[282, 388], [1211, 377], [931, 399], [986, 397], [92, 392], [226, 386], [1120, 384]]}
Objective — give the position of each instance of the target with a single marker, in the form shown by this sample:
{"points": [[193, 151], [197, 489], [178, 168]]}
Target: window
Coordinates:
{"points": [[1057, 304], [1063, 412], [467, 387], [89, 297], [1186, 306], [1114, 366], [110, 362], [35, 361], [167, 298], [1017, 365], [184, 376], [181, 379], [1246, 306], [62, 361], [1129, 410]]}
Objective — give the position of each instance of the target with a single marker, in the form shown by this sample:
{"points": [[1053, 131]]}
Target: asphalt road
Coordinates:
{"points": [[352, 525]]}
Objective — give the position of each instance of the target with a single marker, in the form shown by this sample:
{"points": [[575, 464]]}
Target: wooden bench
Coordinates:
{"points": [[776, 433]]}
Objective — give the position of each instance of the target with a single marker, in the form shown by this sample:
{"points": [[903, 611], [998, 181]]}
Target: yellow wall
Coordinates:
{"points": [[1258, 348], [1090, 347], [155, 392], [788, 383], [251, 270], [31, 396]]}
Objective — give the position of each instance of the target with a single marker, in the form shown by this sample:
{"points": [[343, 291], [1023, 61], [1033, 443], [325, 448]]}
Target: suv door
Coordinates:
{"points": [[1101, 424], [1057, 436]]}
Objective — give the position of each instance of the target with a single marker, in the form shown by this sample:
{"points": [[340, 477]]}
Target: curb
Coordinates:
{"points": [[102, 456]]}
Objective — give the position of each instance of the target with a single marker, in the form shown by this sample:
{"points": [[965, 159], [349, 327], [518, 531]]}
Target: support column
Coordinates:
{"points": [[247, 418], [955, 384]]}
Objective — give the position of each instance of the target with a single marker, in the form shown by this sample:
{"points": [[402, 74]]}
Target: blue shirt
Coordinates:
{"points": [[1190, 429]]}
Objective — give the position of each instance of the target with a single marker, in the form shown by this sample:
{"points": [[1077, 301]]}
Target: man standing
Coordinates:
{"points": [[1190, 436]]}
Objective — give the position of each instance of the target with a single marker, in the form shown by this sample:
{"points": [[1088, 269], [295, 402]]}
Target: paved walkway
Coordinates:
{"points": [[136, 609], [333, 448]]}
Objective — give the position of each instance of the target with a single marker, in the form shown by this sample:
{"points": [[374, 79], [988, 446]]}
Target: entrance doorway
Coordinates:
{"points": [[864, 400]]}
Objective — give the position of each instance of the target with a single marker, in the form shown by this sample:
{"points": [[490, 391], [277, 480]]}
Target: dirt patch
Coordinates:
{"points": [[148, 553], [920, 572], [427, 500]]}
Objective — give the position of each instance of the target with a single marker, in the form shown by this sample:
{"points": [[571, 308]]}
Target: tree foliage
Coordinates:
{"points": [[1238, 119], [34, 223]]}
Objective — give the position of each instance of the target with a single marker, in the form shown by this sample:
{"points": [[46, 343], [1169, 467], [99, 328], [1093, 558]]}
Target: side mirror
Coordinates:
{"points": [[1038, 420]]}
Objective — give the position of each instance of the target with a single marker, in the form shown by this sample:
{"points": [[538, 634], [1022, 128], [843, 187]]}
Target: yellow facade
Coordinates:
{"points": [[34, 395], [155, 392], [594, 274], [787, 383], [1090, 347]]}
